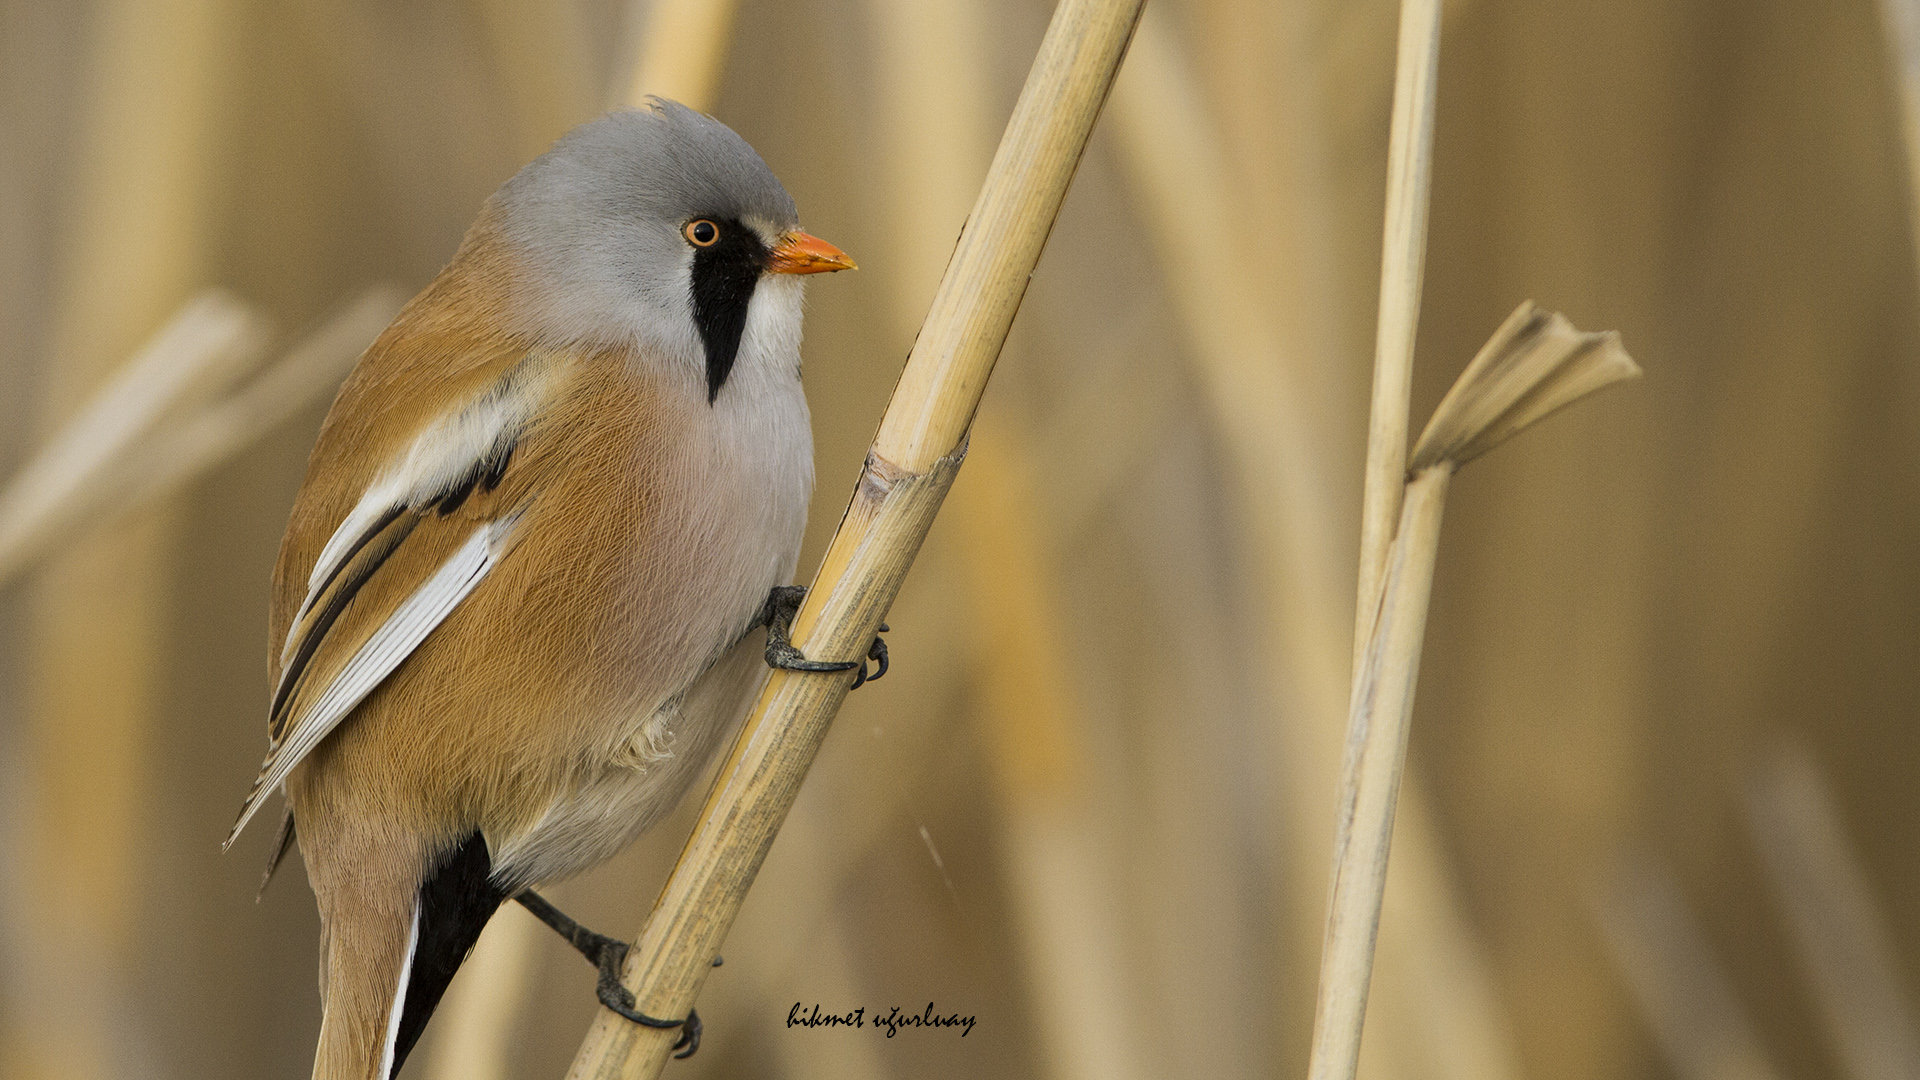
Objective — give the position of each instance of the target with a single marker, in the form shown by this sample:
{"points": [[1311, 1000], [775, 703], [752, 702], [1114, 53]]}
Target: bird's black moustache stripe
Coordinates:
{"points": [[455, 904], [723, 279]]}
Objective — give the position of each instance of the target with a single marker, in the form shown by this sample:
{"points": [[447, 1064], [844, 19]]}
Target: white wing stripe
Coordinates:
{"points": [[403, 631], [378, 499], [438, 456]]}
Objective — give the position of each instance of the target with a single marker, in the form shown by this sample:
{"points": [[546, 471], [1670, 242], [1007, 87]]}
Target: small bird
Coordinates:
{"points": [[516, 607]]}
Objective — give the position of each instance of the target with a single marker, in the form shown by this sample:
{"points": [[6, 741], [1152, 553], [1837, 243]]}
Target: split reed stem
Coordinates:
{"points": [[909, 468], [1533, 365]]}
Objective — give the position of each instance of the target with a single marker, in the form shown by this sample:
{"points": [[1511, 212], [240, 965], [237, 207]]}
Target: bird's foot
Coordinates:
{"points": [[616, 997], [777, 616], [609, 955]]}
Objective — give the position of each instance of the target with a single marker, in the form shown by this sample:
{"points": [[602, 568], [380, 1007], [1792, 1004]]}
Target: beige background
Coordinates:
{"points": [[1092, 719]]}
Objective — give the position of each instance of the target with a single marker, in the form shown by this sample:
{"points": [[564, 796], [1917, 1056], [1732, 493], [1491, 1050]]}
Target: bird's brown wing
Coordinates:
{"points": [[427, 530]]}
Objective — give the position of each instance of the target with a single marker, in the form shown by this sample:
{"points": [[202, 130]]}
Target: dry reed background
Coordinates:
{"points": [[1660, 821]]}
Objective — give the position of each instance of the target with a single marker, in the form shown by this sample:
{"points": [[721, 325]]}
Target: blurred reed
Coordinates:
{"points": [[474, 1026], [137, 243], [1901, 20], [539, 51], [1250, 362], [200, 352], [1684, 994], [1254, 388], [834, 1059], [1072, 938], [173, 412], [1842, 939], [682, 50], [1649, 160], [933, 65]]}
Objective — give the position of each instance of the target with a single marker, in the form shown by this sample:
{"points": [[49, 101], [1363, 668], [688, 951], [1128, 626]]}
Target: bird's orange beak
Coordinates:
{"points": [[799, 253]]}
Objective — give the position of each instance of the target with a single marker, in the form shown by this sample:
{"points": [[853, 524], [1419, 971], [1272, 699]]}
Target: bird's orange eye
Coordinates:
{"points": [[701, 233]]}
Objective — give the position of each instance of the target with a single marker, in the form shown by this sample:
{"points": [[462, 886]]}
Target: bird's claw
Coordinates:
{"points": [[778, 614], [689, 1035], [618, 999], [876, 652]]}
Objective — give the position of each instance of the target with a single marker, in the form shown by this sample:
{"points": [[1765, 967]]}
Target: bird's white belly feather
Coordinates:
{"points": [[746, 465]]}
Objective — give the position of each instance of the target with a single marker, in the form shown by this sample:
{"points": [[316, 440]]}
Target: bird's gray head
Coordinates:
{"points": [[655, 228]]}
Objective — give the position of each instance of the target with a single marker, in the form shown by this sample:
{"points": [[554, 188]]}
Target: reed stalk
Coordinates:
{"points": [[1402, 272], [1533, 365], [1403, 254], [911, 464]]}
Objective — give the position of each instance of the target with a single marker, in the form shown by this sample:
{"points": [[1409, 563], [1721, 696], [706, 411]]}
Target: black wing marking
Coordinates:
{"points": [[395, 527], [369, 552]]}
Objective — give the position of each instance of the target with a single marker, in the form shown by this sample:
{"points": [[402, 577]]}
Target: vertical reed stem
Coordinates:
{"points": [[1403, 253], [1347, 957]]}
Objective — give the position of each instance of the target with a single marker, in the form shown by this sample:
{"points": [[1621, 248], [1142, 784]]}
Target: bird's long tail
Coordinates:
{"points": [[386, 970]]}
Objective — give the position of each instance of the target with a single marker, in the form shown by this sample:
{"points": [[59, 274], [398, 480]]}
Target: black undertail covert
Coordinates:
{"points": [[455, 904]]}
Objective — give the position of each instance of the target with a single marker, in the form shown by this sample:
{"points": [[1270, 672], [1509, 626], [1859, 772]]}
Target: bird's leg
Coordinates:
{"points": [[609, 955], [777, 617]]}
